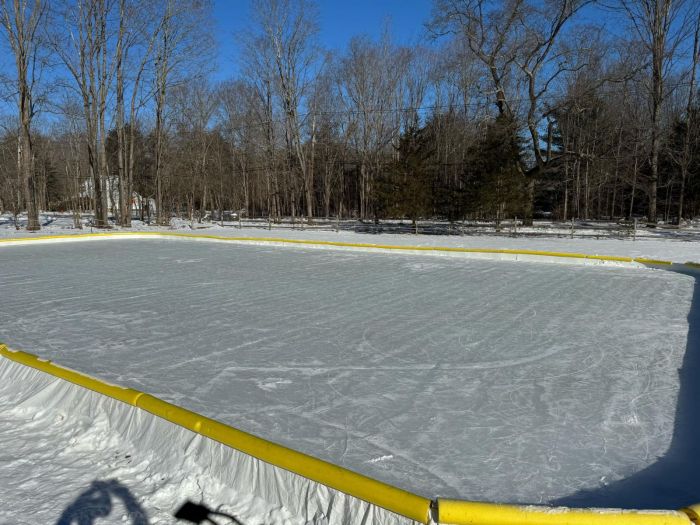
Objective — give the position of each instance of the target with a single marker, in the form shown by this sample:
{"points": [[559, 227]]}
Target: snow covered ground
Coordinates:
{"points": [[498, 381], [662, 243]]}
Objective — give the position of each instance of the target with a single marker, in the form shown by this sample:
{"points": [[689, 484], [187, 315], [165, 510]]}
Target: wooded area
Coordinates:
{"points": [[507, 108]]}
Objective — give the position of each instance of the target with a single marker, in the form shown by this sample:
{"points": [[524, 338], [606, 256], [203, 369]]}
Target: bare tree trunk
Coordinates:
{"points": [[657, 94], [86, 60], [162, 70], [363, 190], [659, 24], [102, 90], [309, 179], [654, 160], [689, 120], [124, 194], [634, 183], [25, 158], [684, 177]]}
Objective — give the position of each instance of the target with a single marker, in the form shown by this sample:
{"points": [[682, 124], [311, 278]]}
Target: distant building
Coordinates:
{"points": [[141, 207]]}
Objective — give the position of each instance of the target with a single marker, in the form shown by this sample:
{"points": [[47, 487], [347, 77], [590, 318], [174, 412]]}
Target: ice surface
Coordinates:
{"points": [[514, 382]]}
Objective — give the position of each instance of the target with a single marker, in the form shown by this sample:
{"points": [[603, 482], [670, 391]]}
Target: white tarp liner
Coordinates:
{"points": [[69, 454]]}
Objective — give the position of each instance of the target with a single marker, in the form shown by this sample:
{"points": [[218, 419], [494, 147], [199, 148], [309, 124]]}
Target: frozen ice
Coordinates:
{"points": [[485, 380]]}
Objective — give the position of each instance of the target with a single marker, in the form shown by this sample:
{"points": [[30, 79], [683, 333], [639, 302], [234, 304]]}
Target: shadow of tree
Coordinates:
{"points": [[672, 482], [96, 502]]}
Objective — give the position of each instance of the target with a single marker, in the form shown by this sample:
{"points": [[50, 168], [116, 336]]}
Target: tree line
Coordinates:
{"points": [[507, 108]]}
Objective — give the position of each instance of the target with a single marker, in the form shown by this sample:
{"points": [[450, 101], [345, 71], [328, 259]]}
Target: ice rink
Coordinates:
{"points": [[485, 380]]}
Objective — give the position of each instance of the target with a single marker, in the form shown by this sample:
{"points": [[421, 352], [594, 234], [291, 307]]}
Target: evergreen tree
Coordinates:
{"points": [[406, 189], [494, 185]]}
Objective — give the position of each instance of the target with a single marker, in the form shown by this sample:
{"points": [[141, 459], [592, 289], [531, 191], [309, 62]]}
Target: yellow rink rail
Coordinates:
{"points": [[396, 500], [340, 244], [475, 513]]}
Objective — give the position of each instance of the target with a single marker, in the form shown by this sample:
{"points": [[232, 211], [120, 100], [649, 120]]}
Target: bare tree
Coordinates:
{"points": [[240, 111], [371, 75], [661, 26], [139, 30], [517, 42], [684, 157], [259, 74], [542, 62], [183, 50], [86, 56], [124, 198], [22, 21], [194, 104], [286, 34], [165, 53]]}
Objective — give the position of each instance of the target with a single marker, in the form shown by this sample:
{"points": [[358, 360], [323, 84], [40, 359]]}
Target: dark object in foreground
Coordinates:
{"points": [[199, 513]]}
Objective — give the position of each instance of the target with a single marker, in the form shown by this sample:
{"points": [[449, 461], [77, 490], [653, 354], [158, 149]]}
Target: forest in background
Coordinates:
{"points": [[507, 108]]}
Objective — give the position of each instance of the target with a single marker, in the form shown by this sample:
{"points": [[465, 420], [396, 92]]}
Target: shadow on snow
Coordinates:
{"points": [[97, 502]]}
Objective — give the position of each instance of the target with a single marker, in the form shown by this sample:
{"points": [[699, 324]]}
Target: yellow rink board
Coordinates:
{"points": [[475, 513], [340, 244]]}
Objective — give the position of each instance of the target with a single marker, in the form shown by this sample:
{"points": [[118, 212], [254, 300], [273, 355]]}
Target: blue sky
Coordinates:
{"points": [[339, 20]]}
